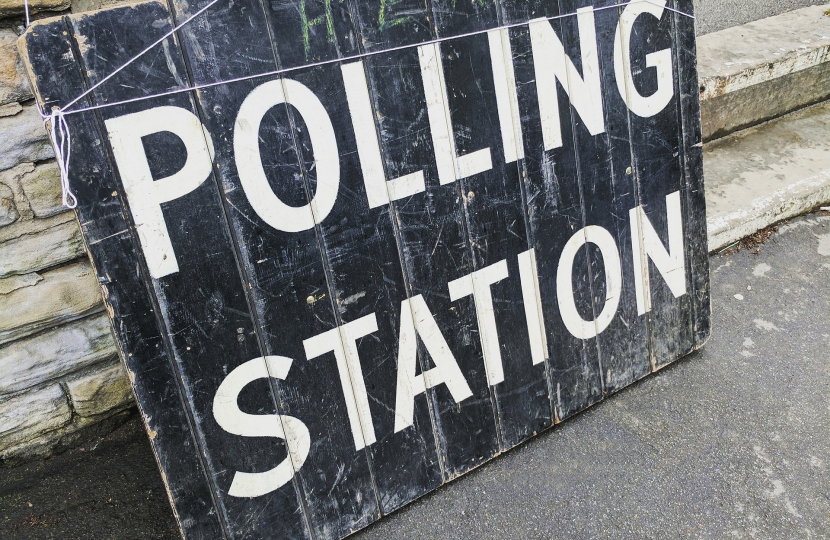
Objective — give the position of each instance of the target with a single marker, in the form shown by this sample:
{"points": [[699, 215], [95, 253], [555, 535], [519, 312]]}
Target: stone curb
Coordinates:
{"points": [[764, 69], [766, 174]]}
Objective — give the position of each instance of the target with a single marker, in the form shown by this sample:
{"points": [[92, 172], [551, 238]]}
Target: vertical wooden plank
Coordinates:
{"points": [[497, 236], [609, 189], [360, 252], [656, 137], [694, 196], [466, 437], [292, 305], [110, 241], [209, 331], [555, 208], [434, 243]]}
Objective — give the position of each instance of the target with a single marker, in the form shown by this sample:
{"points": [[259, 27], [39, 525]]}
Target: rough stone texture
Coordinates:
{"points": [[23, 138], [79, 6], [771, 67], [65, 294], [12, 283], [10, 109], [21, 228], [753, 105], [16, 7], [12, 178], [766, 173], [42, 188], [55, 353], [81, 430], [47, 248], [24, 417], [100, 391], [14, 86], [8, 209]]}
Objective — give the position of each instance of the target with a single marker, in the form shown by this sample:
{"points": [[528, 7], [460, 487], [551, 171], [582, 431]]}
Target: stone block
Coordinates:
{"points": [[26, 417], [16, 7], [21, 227], [42, 187], [11, 178], [55, 353], [79, 6], [8, 208], [42, 249], [65, 294], [14, 86], [100, 391], [12, 283], [23, 138], [10, 109], [770, 68]]}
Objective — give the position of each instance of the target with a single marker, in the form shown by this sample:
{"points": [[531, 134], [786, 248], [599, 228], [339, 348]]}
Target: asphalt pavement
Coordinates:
{"points": [[730, 442], [714, 15]]}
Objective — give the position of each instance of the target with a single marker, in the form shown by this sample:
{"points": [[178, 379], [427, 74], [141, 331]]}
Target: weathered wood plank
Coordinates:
{"points": [[694, 196], [111, 243], [609, 189], [497, 238], [199, 322], [657, 144], [555, 209]]}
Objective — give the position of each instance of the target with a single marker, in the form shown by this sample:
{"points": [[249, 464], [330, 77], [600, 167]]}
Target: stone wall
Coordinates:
{"points": [[60, 377]]}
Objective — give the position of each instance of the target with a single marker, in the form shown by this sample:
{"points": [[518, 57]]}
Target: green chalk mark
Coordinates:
{"points": [[307, 24], [382, 20]]}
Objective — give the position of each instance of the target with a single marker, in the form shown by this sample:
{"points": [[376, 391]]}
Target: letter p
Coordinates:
{"points": [[145, 195]]}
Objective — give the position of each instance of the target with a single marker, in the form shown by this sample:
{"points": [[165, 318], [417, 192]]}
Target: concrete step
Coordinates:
{"points": [[765, 174], [764, 69]]}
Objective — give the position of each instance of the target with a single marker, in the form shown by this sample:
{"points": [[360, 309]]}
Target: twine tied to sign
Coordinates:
{"points": [[62, 144], [59, 133]]}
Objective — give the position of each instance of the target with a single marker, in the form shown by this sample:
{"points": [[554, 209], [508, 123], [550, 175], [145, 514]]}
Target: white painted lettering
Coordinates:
{"points": [[647, 245], [478, 284], [264, 201], [552, 64], [231, 419], [576, 325], [342, 341], [533, 306], [451, 166], [644, 106], [507, 101], [379, 191], [417, 320], [145, 195]]}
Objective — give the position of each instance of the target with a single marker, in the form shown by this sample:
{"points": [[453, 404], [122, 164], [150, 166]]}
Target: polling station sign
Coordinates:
{"points": [[352, 249]]}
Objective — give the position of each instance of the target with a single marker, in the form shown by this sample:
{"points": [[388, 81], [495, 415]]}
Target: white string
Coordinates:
{"points": [[61, 138], [59, 133], [62, 143], [139, 55]]}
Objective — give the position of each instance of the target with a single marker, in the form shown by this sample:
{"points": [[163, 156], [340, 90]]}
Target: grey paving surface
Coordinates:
{"points": [[731, 442], [714, 15]]}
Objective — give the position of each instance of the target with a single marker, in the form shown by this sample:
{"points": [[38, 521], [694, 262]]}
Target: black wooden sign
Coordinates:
{"points": [[353, 249]]}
